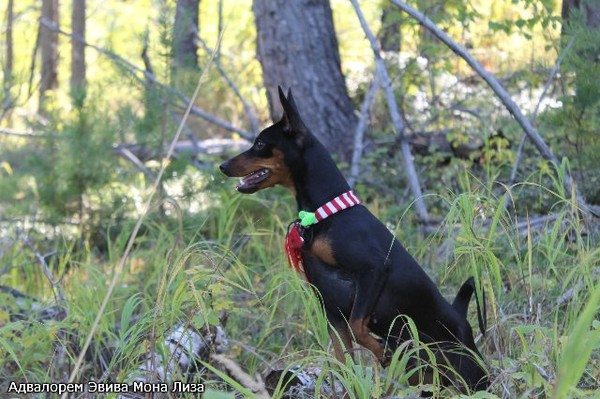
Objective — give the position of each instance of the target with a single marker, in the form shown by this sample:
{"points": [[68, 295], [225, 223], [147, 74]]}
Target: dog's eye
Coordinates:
{"points": [[259, 145]]}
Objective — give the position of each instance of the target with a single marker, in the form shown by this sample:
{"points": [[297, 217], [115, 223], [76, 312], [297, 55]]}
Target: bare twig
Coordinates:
{"points": [[359, 133], [134, 70], [147, 64], [542, 373], [249, 113], [501, 93], [399, 124], [56, 288], [188, 133], [28, 134]]}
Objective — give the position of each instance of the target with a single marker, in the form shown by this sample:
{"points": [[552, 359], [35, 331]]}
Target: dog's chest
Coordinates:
{"points": [[320, 247]]}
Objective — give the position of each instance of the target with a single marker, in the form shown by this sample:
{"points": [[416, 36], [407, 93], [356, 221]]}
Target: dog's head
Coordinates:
{"points": [[273, 154]]}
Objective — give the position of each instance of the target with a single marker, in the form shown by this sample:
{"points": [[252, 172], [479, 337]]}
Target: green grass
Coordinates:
{"points": [[183, 270]]}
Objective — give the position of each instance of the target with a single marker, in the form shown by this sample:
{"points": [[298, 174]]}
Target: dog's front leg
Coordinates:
{"points": [[368, 289]]}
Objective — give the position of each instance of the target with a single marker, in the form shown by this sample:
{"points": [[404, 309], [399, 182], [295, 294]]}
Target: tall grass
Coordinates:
{"points": [[540, 341]]}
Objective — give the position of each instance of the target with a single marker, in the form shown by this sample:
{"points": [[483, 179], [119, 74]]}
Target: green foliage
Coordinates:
{"points": [[73, 162], [175, 274], [205, 250], [576, 123]]}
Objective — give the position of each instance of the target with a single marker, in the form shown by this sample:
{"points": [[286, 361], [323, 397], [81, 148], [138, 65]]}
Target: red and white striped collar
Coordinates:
{"points": [[294, 239], [339, 203]]}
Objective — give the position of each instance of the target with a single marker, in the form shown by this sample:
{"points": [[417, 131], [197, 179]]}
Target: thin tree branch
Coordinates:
{"points": [[502, 94], [56, 288], [134, 69], [398, 122], [359, 133], [29, 134], [36, 46], [130, 156], [251, 117]]}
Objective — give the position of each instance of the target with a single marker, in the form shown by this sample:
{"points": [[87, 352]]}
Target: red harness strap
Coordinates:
{"points": [[294, 239], [293, 246]]}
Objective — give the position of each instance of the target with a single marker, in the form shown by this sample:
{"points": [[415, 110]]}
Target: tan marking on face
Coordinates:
{"points": [[245, 164], [321, 248], [281, 173]]}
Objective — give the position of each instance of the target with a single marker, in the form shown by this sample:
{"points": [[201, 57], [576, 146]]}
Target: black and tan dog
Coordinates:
{"points": [[365, 277]]}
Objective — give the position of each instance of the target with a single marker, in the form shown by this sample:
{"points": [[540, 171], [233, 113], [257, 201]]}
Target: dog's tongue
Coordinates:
{"points": [[252, 179]]}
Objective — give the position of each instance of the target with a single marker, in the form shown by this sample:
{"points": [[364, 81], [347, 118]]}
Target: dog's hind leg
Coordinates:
{"points": [[368, 289], [341, 339]]}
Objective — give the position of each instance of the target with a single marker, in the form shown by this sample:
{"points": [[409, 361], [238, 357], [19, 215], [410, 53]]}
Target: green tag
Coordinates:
{"points": [[307, 218]]}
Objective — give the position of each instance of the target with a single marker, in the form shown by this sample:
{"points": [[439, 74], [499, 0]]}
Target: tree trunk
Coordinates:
{"points": [[78, 52], [185, 32], [7, 100], [49, 46], [297, 48], [583, 15], [8, 66], [592, 12]]}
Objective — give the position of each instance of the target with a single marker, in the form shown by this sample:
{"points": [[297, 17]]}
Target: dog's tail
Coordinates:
{"points": [[461, 303]]}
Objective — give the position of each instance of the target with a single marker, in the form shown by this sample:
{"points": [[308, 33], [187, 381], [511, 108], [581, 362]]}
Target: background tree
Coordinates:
{"points": [[78, 52], [389, 34], [590, 8], [297, 47], [579, 115], [49, 50], [185, 34], [8, 62]]}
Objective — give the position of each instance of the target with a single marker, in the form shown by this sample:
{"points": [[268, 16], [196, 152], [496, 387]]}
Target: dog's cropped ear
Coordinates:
{"points": [[293, 123]]}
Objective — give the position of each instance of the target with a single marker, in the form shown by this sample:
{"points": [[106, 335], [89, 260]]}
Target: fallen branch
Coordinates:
{"points": [[134, 160], [256, 384], [570, 293], [502, 94], [24, 307], [214, 146], [181, 352], [398, 122], [302, 382]]}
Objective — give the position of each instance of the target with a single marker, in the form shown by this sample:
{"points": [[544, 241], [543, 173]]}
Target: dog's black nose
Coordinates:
{"points": [[223, 167]]}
